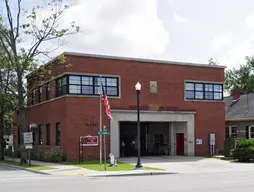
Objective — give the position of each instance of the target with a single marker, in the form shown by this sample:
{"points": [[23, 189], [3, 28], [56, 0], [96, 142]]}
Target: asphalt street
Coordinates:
{"points": [[13, 180]]}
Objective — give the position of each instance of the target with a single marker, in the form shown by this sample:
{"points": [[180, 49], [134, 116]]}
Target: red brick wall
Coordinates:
{"points": [[74, 112]]}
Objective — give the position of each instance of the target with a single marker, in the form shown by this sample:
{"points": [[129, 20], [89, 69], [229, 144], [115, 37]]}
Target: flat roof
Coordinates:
{"points": [[134, 59], [143, 60]]}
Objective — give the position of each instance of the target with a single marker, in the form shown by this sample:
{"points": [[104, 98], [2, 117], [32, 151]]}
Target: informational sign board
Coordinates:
{"points": [[88, 141], [199, 141], [28, 146], [10, 140], [28, 137]]}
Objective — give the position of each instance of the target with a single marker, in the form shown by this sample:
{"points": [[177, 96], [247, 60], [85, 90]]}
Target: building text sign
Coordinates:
{"points": [[28, 137], [88, 141]]}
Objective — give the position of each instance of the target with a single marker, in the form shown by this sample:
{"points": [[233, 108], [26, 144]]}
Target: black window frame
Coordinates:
{"points": [[40, 94], [203, 92], [39, 134], [58, 134], [33, 97], [47, 91], [48, 134], [94, 85], [61, 86]]}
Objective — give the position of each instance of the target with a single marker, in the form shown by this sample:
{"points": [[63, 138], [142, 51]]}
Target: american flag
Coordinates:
{"points": [[104, 98]]}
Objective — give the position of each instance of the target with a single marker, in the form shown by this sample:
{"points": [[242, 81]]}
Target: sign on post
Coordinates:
{"points": [[28, 137], [88, 141], [104, 132]]}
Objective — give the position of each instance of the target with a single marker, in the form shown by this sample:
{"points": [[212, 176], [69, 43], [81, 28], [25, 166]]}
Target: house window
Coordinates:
{"points": [[203, 91], [61, 86], [58, 134], [47, 91], [40, 94], [47, 134], [233, 131], [251, 132], [40, 135], [33, 97]]}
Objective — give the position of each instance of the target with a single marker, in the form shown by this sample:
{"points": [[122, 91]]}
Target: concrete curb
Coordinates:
{"points": [[26, 169], [134, 174]]}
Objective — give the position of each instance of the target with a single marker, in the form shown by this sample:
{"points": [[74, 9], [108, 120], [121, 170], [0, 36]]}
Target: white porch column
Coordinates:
{"points": [[115, 138], [191, 135], [172, 139]]}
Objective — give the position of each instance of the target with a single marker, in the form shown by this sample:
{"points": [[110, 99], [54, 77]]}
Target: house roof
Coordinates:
{"points": [[240, 109]]}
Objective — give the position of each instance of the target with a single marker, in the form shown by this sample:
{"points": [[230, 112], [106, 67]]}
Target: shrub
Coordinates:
{"points": [[8, 152], [55, 155], [244, 151], [244, 143]]}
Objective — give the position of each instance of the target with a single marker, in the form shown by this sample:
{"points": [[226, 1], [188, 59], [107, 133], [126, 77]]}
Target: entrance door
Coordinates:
{"points": [[179, 144]]}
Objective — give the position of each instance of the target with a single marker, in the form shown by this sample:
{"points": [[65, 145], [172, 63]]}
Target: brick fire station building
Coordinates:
{"points": [[181, 104]]}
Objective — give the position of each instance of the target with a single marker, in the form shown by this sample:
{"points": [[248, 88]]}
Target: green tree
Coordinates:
{"points": [[37, 25], [212, 62], [7, 99], [241, 79]]}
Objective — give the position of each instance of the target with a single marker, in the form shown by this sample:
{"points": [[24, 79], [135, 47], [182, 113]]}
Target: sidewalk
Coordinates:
{"points": [[69, 170]]}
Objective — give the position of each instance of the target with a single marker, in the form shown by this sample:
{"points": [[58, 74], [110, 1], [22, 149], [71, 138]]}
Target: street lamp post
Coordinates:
{"points": [[138, 88]]}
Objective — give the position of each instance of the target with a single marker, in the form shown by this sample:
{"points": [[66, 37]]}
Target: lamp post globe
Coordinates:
{"points": [[138, 88]]}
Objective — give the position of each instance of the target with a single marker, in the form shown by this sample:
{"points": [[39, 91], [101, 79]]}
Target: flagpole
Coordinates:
{"points": [[100, 123]]}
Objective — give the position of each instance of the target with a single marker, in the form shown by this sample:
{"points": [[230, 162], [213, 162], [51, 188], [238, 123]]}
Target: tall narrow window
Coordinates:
{"points": [[234, 131], [40, 94], [58, 134], [47, 91], [61, 86], [48, 134], [251, 132], [33, 97], [40, 135]]}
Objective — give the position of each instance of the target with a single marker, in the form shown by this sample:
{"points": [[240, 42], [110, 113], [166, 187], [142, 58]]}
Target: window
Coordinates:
{"points": [[19, 135], [75, 84], [90, 85], [203, 91], [40, 94], [61, 86], [251, 132], [40, 135], [58, 134], [47, 91], [33, 97], [233, 131], [47, 134]]}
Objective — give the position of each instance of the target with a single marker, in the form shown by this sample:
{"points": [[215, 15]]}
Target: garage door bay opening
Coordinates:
{"points": [[156, 139]]}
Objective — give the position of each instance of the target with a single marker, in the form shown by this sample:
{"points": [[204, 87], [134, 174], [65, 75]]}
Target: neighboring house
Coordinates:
{"points": [[181, 104], [239, 110]]}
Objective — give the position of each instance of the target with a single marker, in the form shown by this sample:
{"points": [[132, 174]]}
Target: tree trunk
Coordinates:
{"points": [[2, 143], [21, 117]]}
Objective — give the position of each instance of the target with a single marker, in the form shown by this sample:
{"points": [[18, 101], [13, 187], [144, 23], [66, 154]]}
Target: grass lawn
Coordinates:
{"points": [[95, 165], [34, 167]]}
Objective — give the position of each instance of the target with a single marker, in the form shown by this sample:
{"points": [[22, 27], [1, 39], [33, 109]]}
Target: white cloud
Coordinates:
{"points": [[236, 55], [179, 18], [221, 42], [129, 28], [249, 21]]}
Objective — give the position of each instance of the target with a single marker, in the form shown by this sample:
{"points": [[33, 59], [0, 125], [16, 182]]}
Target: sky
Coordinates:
{"points": [[174, 30]]}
